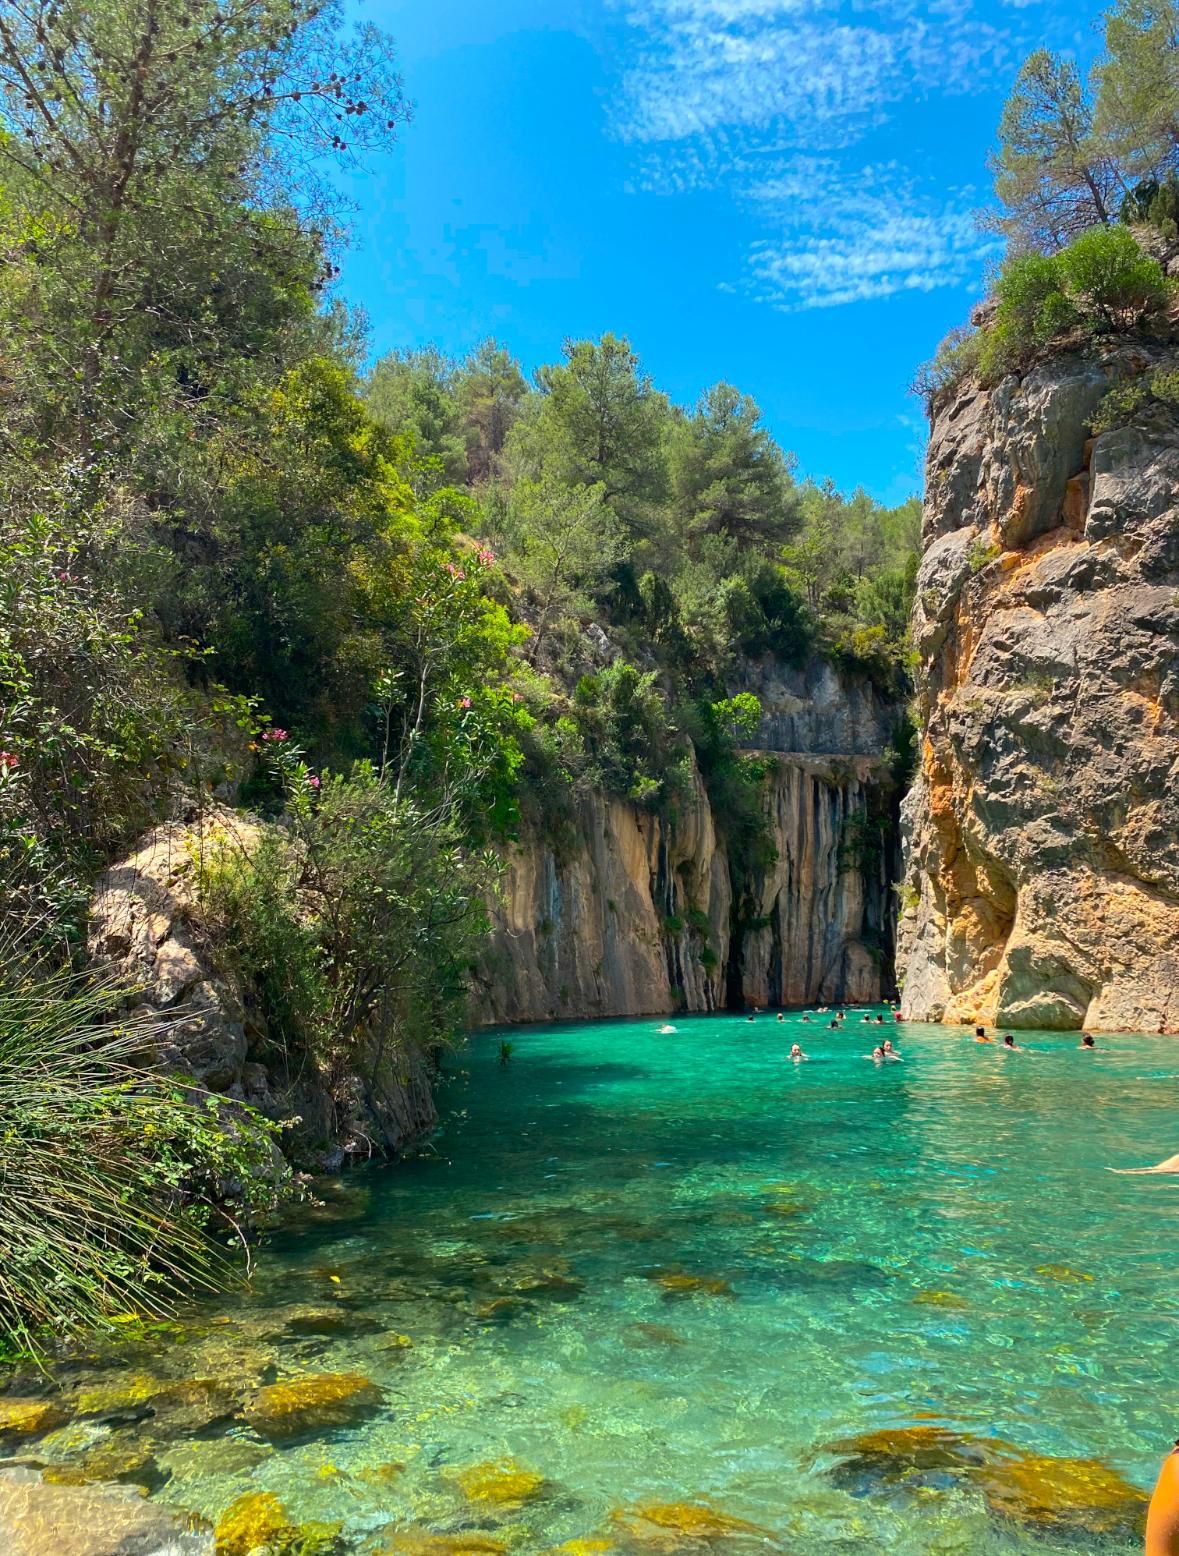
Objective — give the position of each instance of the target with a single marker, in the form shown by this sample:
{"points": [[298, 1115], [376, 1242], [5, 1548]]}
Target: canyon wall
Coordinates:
{"points": [[646, 914], [1041, 883]]}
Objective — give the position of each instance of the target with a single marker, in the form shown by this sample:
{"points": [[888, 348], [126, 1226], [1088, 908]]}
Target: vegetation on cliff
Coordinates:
{"points": [[1087, 185]]}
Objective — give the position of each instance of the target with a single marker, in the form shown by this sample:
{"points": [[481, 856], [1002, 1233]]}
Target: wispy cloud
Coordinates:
{"points": [[769, 99], [904, 253]]}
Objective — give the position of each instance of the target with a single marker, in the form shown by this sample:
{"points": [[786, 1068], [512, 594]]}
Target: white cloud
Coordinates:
{"points": [[901, 252], [768, 101]]}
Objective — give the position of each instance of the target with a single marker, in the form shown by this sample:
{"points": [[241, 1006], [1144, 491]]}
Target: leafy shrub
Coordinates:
{"points": [[628, 735], [955, 359], [1107, 274], [1131, 400]]}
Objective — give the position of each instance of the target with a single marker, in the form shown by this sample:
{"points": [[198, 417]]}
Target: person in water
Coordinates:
{"points": [[1010, 1044], [1170, 1165], [781, 1017], [1087, 1041], [980, 1035], [797, 1054], [879, 1021], [834, 1025], [1162, 1516], [877, 1056], [890, 1052]]}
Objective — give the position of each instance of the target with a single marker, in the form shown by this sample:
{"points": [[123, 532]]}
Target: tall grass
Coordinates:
{"points": [[107, 1171]]}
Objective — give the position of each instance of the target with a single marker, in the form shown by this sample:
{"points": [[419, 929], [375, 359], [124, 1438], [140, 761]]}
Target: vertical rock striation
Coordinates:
{"points": [[643, 914], [1041, 884]]}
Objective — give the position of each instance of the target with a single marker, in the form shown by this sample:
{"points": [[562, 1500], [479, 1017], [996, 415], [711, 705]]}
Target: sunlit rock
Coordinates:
{"points": [[500, 1483], [29, 1417], [309, 1404], [37, 1519]]}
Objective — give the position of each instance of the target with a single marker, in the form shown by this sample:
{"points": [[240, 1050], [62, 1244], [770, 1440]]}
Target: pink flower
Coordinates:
{"points": [[464, 702], [277, 735], [9, 760], [487, 557], [516, 697], [454, 570], [313, 780], [63, 576]]}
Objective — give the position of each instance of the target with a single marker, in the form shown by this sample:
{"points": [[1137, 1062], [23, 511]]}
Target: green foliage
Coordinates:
{"points": [[1137, 398], [956, 359], [111, 1173], [728, 476], [981, 554], [1107, 276], [1102, 280], [1053, 174], [356, 925], [629, 738], [1137, 110]]}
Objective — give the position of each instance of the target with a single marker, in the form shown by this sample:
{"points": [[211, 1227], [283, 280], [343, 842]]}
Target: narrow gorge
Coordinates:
{"points": [[644, 913]]}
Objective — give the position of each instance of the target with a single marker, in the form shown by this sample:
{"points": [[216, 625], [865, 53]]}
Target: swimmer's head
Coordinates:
{"points": [[796, 1051], [888, 1045], [980, 1031], [878, 1053], [1087, 1041], [1008, 1040]]}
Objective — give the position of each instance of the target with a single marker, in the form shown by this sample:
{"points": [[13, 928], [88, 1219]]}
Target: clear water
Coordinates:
{"points": [[937, 1242]]}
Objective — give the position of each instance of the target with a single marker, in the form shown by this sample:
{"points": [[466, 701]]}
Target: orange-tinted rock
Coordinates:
{"points": [[499, 1483], [1080, 1496], [309, 1404]]}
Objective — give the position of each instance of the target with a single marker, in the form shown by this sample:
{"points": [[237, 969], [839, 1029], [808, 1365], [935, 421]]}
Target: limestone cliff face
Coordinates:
{"points": [[1041, 884], [643, 915]]}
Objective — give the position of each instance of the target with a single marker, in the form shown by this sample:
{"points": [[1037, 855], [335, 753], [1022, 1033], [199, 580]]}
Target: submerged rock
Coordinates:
{"points": [[677, 1283], [947, 1299], [425, 1542], [259, 1522], [499, 1483], [37, 1519], [310, 1404], [1064, 1496], [1053, 1496], [669, 1527], [29, 1417]]}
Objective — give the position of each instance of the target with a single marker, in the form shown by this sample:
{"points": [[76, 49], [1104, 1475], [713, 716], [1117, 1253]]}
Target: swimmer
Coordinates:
{"points": [[749, 1018], [877, 1056], [834, 1025], [879, 1021], [867, 1018], [890, 1052], [1087, 1043], [665, 1029], [781, 1017], [807, 1019], [1010, 1044], [1162, 1517], [1170, 1165], [797, 1054], [980, 1035]]}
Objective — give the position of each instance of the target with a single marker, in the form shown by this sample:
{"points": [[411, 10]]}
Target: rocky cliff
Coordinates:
{"points": [[1041, 884], [146, 931], [647, 913]]}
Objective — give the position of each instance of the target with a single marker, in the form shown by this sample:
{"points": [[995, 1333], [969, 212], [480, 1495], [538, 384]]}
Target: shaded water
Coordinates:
{"points": [[670, 1268]]}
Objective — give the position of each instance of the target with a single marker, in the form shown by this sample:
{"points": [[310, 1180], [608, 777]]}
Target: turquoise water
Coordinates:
{"points": [[658, 1268]]}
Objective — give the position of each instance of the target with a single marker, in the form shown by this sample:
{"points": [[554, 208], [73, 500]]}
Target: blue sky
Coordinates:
{"points": [[775, 192]]}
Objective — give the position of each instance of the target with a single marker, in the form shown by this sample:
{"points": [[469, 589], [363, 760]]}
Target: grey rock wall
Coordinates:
{"points": [[1042, 836]]}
